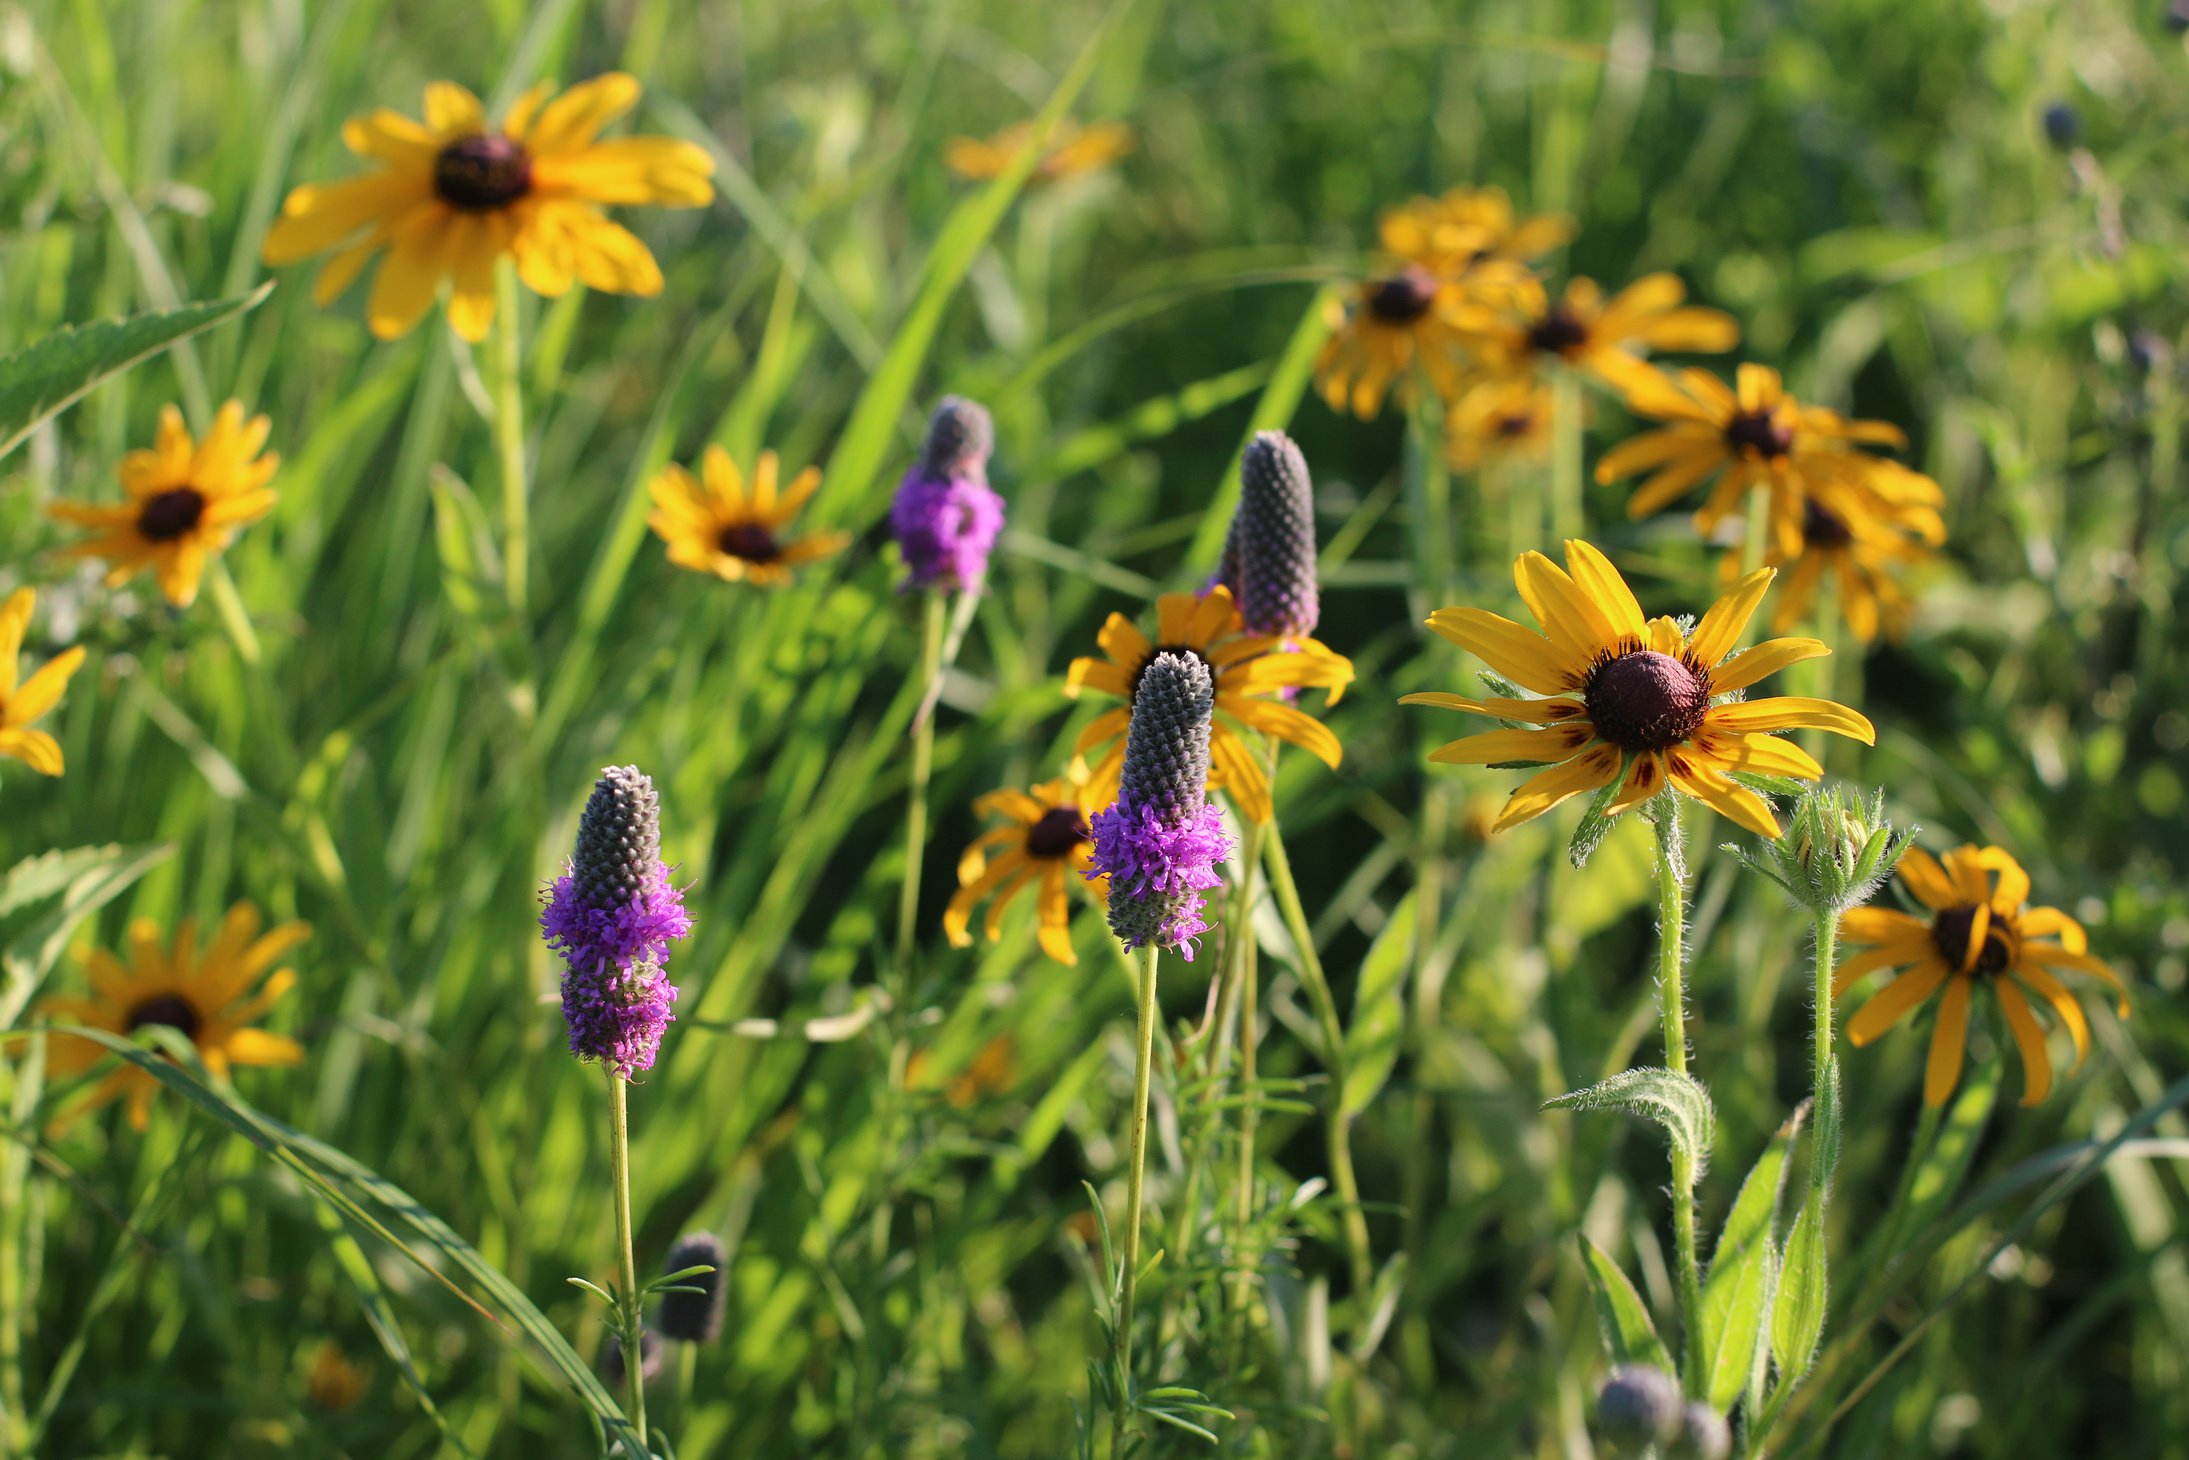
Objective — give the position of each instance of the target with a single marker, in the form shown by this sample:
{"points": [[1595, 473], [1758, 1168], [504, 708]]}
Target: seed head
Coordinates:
{"points": [[1269, 556], [960, 437], [1639, 1407], [696, 1317], [1704, 1434], [1160, 843]]}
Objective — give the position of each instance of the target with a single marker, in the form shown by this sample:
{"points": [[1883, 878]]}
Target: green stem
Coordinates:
{"points": [[1671, 997], [234, 617], [509, 437], [1566, 514], [1339, 1129], [923, 765], [1240, 993], [627, 1299], [1129, 1277]]}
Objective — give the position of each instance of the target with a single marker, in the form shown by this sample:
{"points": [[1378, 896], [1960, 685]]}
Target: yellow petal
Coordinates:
{"points": [[1722, 626], [1948, 1043], [1890, 1003]]}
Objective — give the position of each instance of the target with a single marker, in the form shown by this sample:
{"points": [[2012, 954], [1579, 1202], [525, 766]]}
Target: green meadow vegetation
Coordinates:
{"points": [[1425, 1107]]}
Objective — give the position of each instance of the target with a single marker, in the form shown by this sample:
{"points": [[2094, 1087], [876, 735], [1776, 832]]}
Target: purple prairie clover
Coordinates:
{"points": [[613, 916], [696, 1317], [1159, 843], [945, 518], [1269, 554]]}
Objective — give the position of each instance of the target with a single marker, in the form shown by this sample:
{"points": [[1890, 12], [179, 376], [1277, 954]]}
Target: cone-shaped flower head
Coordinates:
{"points": [[1160, 842], [613, 916], [696, 1317], [1269, 558], [945, 519]]}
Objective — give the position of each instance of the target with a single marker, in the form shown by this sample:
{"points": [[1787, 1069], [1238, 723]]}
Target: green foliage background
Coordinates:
{"points": [[1867, 186]]}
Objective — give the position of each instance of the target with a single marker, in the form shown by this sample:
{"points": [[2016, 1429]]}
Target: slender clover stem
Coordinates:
{"points": [[923, 765], [1129, 1276], [1339, 1128], [627, 1297], [509, 438], [1671, 996], [1242, 991]]}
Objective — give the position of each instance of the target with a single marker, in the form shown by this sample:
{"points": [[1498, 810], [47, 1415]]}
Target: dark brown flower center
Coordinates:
{"points": [[172, 1010], [1823, 528], [1560, 331], [171, 514], [1060, 829], [1184, 650], [1403, 298], [1514, 423], [479, 174], [1950, 931], [750, 541], [1761, 431], [1645, 700]]}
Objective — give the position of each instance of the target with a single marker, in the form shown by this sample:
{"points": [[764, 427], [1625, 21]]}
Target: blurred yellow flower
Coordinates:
{"points": [[1451, 234], [718, 525], [186, 502], [202, 994], [24, 702], [333, 1382], [1605, 338], [1632, 700], [1757, 435], [1498, 419], [1860, 524], [1248, 670], [1072, 150], [452, 196], [1044, 842], [1981, 932]]}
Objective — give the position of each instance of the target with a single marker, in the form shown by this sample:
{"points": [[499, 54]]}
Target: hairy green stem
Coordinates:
{"points": [[509, 438], [1566, 507], [1129, 1276], [1671, 997], [1339, 1129], [628, 1307]]}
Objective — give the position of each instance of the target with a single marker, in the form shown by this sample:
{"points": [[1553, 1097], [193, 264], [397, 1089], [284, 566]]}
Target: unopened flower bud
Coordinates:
{"points": [[1639, 1407], [1704, 1434]]}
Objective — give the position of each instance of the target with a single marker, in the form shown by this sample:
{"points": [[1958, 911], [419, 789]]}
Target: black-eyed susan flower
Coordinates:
{"points": [[1632, 700], [1496, 419], [453, 196], [207, 994], [1754, 435], [1072, 150], [1980, 932], [1392, 326], [722, 524], [1604, 338], [187, 501], [1464, 228], [1860, 524], [23, 702], [1043, 844], [1251, 674]]}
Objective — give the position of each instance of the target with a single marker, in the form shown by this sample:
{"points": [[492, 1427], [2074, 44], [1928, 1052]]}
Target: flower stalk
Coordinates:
{"points": [[628, 1306], [1136, 1169], [509, 438], [1672, 999]]}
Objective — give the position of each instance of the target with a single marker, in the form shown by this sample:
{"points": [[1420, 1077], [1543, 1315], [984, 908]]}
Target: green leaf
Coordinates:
{"points": [[39, 383], [1629, 1336], [1675, 1101], [1737, 1292], [1379, 1010], [1797, 1318], [371, 1201], [87, 878], [471, 567]]}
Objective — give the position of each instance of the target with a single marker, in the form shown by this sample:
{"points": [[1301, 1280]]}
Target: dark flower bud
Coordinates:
{"points": [[1639, 1407], [2062, 125], [961, 436], [2149, 351], [2177, 16], [649, 1359], [1269, 557], [696, 1317], [1704, 1434], [1160, 843], [619, 839]]}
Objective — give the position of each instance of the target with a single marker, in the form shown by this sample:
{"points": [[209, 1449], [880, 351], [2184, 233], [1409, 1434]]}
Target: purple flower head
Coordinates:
{"points": [[613, 916], [945, 518], [1269, 554], [1160, 843]]}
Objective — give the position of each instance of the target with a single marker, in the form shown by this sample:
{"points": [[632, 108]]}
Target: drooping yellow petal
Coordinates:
{"points": [[1498, 747], [1949, 1042], [1590, 771], [2029, 1036], [1891, 1003]]}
